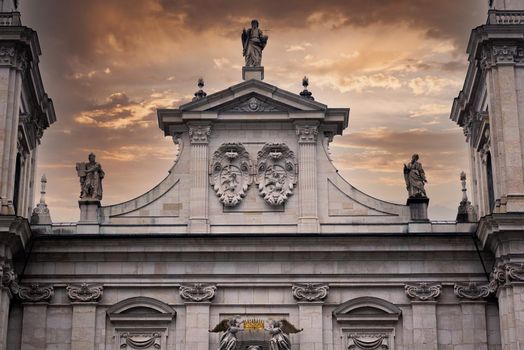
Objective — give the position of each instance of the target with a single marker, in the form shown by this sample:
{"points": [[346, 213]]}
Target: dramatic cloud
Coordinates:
{"points": [[108, 65]]}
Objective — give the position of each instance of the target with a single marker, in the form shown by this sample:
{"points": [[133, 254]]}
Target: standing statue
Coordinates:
{"points": [[253, 42], [279, 331], [415, 178], [230, 327], [91, 175]]}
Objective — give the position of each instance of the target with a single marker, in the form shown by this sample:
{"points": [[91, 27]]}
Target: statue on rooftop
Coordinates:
{"points": [[415, 178], [91, 175], [253, 42]]}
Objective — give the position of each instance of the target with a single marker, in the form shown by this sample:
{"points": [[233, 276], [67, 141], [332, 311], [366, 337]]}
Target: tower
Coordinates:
{"points": [[490, 108]]}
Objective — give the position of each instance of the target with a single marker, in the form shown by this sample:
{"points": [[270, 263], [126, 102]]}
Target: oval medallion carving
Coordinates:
{"points": [[276, 173], [230, 173]]}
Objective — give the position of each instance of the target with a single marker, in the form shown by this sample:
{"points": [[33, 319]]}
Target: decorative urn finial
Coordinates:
{"points": [[200, 93], [306, 93]]}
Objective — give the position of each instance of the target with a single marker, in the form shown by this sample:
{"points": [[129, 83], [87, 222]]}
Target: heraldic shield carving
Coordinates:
{"points": [[230, 173], [276, 173]]}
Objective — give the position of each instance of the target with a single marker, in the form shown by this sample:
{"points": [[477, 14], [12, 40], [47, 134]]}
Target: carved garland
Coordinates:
{"points": [[368, 341], [198, 292], [140, 340], [230, 173], [84, 292], [423, 291], [310, 291], [276, 173]]}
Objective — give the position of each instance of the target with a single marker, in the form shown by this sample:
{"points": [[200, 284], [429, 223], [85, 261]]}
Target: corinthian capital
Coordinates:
{"points": [[307, 133], [13, 57], [199, 133]]}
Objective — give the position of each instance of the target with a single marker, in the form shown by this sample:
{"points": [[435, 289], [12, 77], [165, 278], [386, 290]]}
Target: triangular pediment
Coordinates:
{"points": [[253, 96], [253, 103]]}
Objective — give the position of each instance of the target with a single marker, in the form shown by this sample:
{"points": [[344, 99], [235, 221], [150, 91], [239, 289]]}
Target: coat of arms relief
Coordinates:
{"points": [[230, 173], [276, 173]]}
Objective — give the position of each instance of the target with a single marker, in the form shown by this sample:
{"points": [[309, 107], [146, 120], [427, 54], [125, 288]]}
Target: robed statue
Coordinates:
{"points": [[230, 327], [280, 331], [91, 175], [253, 42], [415, 178]]}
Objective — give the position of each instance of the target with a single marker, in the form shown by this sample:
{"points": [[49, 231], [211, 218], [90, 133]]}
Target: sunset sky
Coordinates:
{"points": [[109, 64]]}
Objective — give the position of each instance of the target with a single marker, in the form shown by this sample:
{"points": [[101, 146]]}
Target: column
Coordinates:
{"points": [[198, 205], [34, 326], [307, 177], [7, 276], [310, 319], [425, 325], [474, 332], [83, 326], [197, 325]]}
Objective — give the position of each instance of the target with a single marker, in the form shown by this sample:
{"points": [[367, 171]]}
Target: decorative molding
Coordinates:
{"points": [[276, 173], [198, 292], [84, 292], [254, 105], [140, 340], [423, 291], [230, 173], [505, 275], [307, 134], [33, 292], [199, 134], [368, 340], [472, 290], [310, 291], [13, 57]]}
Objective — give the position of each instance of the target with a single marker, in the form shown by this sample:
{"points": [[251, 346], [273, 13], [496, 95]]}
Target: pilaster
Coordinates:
{"points": [[198, 208], [83, 326], [197, 325], [310, 320], [474, 332], [34, 326], [307, 176]]}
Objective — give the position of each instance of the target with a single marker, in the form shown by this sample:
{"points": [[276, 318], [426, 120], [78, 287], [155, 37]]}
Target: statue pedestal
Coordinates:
{"points": [[418, 206], [88, 211], [249, 73]]}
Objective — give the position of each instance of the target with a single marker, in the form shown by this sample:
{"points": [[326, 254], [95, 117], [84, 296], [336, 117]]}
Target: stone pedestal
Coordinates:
{"points": [[418, 206], [249, 73], [89, 211]]}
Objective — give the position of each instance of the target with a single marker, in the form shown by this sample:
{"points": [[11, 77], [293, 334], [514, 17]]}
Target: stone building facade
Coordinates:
{"points": [[253, 221]]}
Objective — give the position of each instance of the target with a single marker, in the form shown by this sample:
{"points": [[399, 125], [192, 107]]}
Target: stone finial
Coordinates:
{"points": [[306, 93], [200, 93], [41, 215], [466, 212]]}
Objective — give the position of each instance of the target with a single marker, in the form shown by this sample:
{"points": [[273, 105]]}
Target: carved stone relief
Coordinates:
{"points": [[199, 133], [423, 291], [84, 292], [140, 340], [276, 173], [254, 105], [13, 57], [307, 134], [310, 291], [368, 341], [230, 173], [198, 292], [33, 292], [506, 274], [472, 290]]}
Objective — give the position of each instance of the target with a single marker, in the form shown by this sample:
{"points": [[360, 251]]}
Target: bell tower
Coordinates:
{"points": [[490, 109]]}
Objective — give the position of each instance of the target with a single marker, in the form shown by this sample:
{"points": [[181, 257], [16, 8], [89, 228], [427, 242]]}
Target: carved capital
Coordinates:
{"points": [[307, 134], [472, 290], [8, 275], [500, 55], [423, 291], [198, 292], [310, 291], [199, 134], [33, 292], [84, 292], [13, 57]]}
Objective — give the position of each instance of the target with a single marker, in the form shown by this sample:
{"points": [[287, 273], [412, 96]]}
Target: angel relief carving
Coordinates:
{"points": [[229, 173], [276, 173]]}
